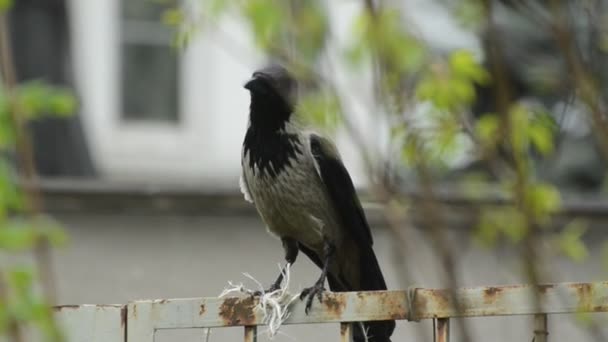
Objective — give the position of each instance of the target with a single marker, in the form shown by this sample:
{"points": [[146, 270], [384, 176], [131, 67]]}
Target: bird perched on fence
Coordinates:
{"points": [[304, 194]]}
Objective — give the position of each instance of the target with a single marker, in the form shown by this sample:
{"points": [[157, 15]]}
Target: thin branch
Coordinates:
{"points": [[582, 78], [26, 163]]}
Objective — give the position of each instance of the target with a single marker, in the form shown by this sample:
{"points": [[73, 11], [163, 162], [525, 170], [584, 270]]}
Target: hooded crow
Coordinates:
{"points": [[305, 196]]}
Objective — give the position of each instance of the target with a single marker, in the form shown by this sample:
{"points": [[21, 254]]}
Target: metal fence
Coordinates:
{"points": [[139, 320]]}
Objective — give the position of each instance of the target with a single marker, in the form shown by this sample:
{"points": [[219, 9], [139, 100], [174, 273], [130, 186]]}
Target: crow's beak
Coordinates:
{"points": [[250, 84]]}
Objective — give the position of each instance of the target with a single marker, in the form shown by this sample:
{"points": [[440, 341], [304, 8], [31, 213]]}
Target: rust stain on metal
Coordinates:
{"points": [[67, 306], [238, 311], [600, 308], [202, 310], [585, 294], [543, 288], [490, 294], [334, 305], [343, 329], [426, 301], [442, 330], [443, 299], [389, 300], [386, 299], [123, 316], [583, 290], [345, 332]]}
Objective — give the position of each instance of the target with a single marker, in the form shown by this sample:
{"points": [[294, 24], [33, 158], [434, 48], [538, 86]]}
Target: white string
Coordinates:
{"points": [[274, 305]]}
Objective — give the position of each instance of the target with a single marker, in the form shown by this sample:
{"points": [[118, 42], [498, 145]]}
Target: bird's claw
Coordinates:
{"points": [[310, 293], [272, 288]]}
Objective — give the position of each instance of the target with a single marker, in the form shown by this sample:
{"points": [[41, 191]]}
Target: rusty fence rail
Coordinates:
{"points": [[139, 320]]}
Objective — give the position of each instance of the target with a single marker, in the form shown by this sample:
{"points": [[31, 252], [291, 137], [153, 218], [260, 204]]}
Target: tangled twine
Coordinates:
{"points": [[274, 305]]}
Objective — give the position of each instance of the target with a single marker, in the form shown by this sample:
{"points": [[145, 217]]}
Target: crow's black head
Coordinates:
{"points": [[273, 96]]}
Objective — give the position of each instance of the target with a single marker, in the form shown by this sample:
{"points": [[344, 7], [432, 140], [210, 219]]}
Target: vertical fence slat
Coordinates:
{"points": [[441, 331], [345, 332], [540, 328], [251, 333]]}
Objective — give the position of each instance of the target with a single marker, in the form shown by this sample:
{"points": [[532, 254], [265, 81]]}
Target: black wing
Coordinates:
{"points": [[340, 189]]}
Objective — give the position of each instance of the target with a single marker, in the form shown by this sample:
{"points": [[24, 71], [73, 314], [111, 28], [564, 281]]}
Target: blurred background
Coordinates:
{"points": [[476, 132]]}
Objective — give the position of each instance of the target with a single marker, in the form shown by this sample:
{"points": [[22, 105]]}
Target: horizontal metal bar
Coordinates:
{"points": [[92, 323], [216, 312], [377, 305], [512, 300]]}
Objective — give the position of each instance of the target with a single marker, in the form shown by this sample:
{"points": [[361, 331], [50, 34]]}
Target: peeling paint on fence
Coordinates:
{"points": [[511, 300], [143, 318]]}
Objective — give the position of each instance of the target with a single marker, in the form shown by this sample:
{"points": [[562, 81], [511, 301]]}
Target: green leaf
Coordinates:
{"points": [[310, 29], [265, 18], [20, 280], [411, 150], [5, 5], [570, 241], [7, 129], [502, 221], [50, 230], [543, 200], [541, 133], [487, 129], [384, 35], [463, 65], [462, 91], [519, 118], [37, 98], [320, 108], [172, 17], [450, 87], [17, 235], [10, 196], [62, 103]]}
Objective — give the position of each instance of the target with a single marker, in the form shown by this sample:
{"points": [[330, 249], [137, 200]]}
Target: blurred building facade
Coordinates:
{"points": [[152, 113]]}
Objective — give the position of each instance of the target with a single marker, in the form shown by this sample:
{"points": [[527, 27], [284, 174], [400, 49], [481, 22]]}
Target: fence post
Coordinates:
{"points": [[251, 333], [345, 332], [441, 327], [540, 328]]}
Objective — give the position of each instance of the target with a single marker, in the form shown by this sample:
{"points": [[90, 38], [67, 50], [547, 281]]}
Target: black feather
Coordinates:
{"points": [[265, 140], [344, 198], [341, 192]]}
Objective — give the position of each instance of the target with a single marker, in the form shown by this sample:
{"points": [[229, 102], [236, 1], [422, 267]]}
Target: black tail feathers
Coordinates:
{"points": [[371, 279]]}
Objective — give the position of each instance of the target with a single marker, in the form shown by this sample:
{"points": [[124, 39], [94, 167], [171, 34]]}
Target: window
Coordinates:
{"points": [[150, 65]]}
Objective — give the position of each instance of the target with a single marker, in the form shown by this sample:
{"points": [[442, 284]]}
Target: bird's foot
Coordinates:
{"points": [[272, 288], [309, 293]]}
